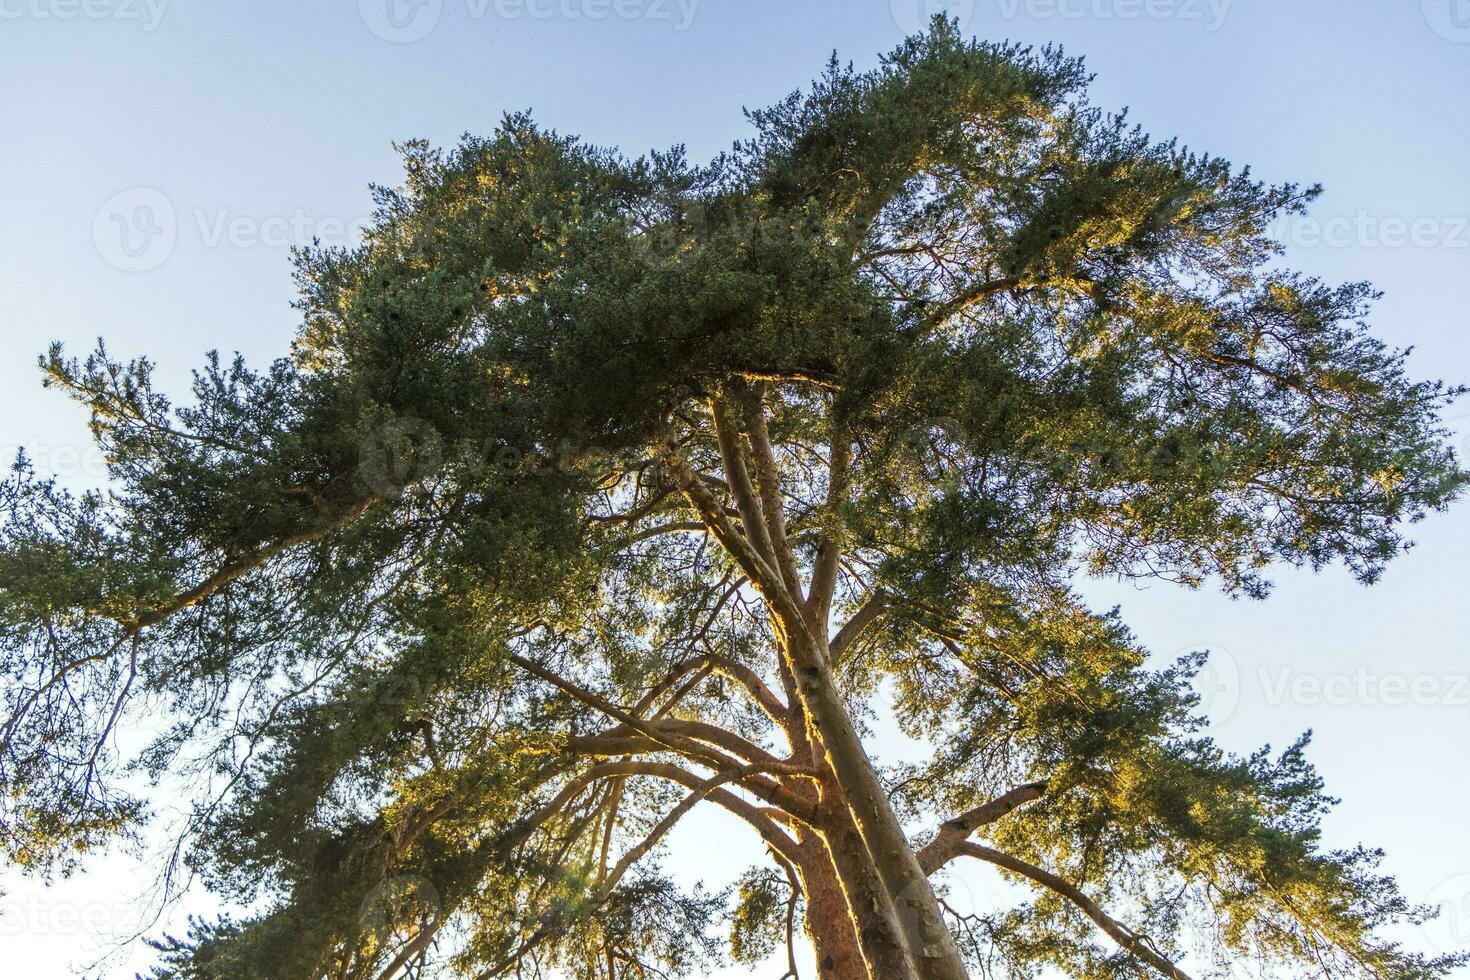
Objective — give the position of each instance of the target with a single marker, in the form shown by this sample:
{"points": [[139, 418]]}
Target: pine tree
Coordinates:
{"points": [[596, 490]]}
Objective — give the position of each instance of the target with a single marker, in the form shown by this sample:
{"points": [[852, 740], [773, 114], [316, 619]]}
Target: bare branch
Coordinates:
{"points": [[1139, 946], [829, 548], [774, 708], [703, 790], [768, 474], [751, 562], [854, 627], [977, 294], [241, 566], [952, 835]]}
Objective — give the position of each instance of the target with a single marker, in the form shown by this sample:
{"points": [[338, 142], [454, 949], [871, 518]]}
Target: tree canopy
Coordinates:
{"points": [[598, 489]]}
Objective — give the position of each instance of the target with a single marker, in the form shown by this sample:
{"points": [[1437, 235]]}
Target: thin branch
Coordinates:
{"points": [[973, 297], [240, 566], [1140, 946], [793, 881], [774, 708], [751, 562], [703, 790]]}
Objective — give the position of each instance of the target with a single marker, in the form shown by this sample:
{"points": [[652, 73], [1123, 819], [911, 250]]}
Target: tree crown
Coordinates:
{"points": [[490, 525]]}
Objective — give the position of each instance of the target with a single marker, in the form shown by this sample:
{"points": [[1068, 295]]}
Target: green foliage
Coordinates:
{"points": [[1052, 346], [757, 922]]}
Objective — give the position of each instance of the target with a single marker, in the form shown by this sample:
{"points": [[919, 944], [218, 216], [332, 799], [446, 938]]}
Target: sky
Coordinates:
{"points": [[158, 158]]}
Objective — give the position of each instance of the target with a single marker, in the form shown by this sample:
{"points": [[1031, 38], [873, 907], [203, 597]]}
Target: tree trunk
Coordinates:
{"points": [[803, 645], [849, 916], [831, 924], [924, 933], [870, 910]]}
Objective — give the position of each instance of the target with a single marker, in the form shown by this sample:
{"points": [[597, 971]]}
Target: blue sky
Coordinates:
{"points": [[159, 157]]}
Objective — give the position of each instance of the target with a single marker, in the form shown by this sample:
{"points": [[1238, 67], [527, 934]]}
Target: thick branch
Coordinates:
{"points": [[756, 568], [768, 474], [693, 750], [741, 487], [1139, 946], [820, 379], [713, 735], [774, 708], [953, 834], [612, 745], [854, 627], [829, 548]]}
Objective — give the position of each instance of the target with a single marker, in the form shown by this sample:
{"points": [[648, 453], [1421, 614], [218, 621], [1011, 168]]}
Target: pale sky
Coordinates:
{"points": [[159, 157]]}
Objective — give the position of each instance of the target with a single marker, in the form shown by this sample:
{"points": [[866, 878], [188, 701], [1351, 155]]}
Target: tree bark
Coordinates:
{"points": [[830, 921], [803, 645], [869, 908], [852, 919], [921, 924]]}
